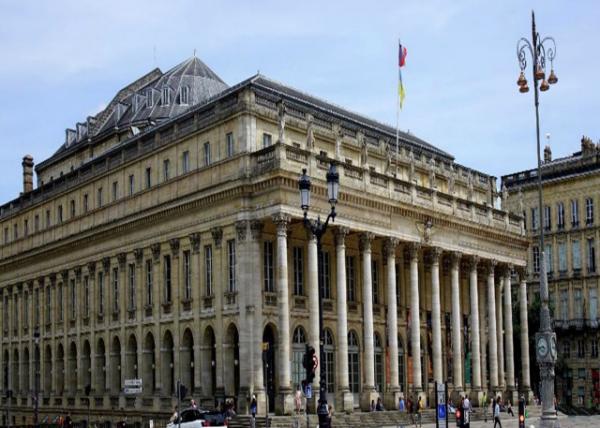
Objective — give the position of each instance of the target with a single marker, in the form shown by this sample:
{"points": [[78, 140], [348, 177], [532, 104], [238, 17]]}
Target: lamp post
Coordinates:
{"points": [[545, 340], [318, 229]]}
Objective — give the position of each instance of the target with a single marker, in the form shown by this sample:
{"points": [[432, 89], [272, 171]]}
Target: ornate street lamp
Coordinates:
{"points": [[318, 228], [541, 50]]}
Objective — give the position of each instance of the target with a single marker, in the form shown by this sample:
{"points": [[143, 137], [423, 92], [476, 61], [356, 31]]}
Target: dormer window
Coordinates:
{"points": [[184, 95], [166, 96], [149, 98]]}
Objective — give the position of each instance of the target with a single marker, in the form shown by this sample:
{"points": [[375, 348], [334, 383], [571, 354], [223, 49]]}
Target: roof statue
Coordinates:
{"points": [[339, 137], [432, 169], [310, 133], [364, 151], [281, 110], [388, 155], [451, 180]]}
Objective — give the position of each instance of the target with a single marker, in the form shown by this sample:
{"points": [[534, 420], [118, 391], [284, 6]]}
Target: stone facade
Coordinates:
{"points": [[570, 221], [199, 267]]}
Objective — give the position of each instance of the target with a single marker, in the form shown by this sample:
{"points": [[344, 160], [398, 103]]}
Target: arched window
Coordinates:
{"points": [[378, 363], [328, 351], [298, 349], [353, 363], [401, 365]]}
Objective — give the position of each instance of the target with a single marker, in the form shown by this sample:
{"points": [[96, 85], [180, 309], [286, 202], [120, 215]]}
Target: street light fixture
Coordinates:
{"points": [[318, 228], [545, 340]]}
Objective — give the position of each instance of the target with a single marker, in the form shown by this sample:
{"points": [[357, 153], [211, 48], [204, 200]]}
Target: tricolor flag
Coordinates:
{"points": [[401, 63]]}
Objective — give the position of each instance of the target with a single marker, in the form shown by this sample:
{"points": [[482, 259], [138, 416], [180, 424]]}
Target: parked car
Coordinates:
{"points": [[199, 418]]}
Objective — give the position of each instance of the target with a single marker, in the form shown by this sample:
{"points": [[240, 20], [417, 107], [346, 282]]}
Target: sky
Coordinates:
{"points": [[62, 60]]}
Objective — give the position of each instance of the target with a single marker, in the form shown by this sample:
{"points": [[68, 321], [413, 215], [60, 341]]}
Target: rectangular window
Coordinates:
{"points": [[581, 375], [593, 300], [231, 265], [59, 215], [574, 213], [536, 259], [131, 287], [36, 223], [350, 279], [16, 231], [148, 177], [85, 203], [547, 218], [298, 271], [99, 197], [375, 282], [576, 254], [594, 347], [581, 352], [6, 235], [86, 296], [561, 215], [101, 293], [167, 279], [267, 140], [187, 276], [564, 305], [354, 372], [562, 257], [48, 305], [329, 367], [589, 211], [72, 207], [534, 218], [149, 281], [36, 306], [229, 142], [185, 162], [73, 291], [16, 315], [25, 310], [208, 277], [578, 304], [26, 227], [324, 271], [591, 255], [268, 269], [115, 190], [60, 302], [567, 350], [207, 153], [166, 167], [115, 281], [548, 257], [131, 185], [48, 219]]}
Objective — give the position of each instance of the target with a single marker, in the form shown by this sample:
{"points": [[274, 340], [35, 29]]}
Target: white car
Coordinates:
{"points": [[198, 418]]}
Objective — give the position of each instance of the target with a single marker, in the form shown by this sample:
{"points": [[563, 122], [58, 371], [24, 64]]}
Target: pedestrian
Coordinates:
{"points": [[175, 415], [253, 408], [484, 404], [193, 404], [401, 405], [420, 408], [509, 410], [372, 408], [68, 421], [497, 413], [379, 405]]}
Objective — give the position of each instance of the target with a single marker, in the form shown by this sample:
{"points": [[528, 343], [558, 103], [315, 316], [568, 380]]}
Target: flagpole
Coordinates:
{"points": [[398, 116]]}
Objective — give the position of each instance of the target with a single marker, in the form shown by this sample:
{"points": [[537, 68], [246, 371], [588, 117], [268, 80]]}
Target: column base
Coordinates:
{"points": [[243, 401], [476, 397], [513, 395], [366, 397], [391, 399], [284, 404], [347, 402], [457, 393], [261, 402]]}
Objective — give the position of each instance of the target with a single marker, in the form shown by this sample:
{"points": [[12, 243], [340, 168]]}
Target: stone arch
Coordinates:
{"points": [[115, 365], [232, 360], [72, 369], [100, 372], [60, 370], [168, 363], [209, 362], [131, 368], [186, 355], [48, 370], [149, 365], [379, 363], [269, 370], [25, 373], [86, 364], [299, 340]]}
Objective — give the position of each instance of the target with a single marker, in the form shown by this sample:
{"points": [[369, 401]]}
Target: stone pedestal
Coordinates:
{"points": [[476, 397], [261, 402], [391, 398], [347, 401], [284, 404], [513, 395], [366, 397], [243, 401]]}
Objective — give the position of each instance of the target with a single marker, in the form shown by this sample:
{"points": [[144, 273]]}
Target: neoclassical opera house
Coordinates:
{"points": [[164, 240]]}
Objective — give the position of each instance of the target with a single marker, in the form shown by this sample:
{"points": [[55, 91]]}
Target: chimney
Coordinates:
{"points": [[27, 173], [547, 154]]}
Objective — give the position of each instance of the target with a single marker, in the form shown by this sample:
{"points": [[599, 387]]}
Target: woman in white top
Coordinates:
{"points": [[497, 413]]}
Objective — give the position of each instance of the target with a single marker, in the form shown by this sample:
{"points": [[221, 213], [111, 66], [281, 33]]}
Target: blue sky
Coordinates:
{"points": [[63, 60]]}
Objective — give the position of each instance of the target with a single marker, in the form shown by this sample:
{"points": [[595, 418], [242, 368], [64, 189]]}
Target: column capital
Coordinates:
{"points": [[522, 271], [434, 255], [340, 234], [122, 258], [413, 250], [77, 271], [389, 246], [174, 244], [491, 267], [241, 227], [155, 248], [256, 228], [91, 266], [507, 269], [217, 235], [473, 262], [139, 255], [366, 238], [195, 241], [455, 258], [52, 277], [65, 275], [282, 221]]}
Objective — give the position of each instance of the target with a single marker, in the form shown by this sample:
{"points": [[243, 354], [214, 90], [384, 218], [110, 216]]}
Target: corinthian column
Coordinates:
{"points": [[342, 320], [475, 350], [456, 330], [525, 381], [369, 392], [285, 402], [500, 334], [492, 341], [415, 326], [483, 336], [436, 326], [508, 333], [313, 304], [389, 249]]}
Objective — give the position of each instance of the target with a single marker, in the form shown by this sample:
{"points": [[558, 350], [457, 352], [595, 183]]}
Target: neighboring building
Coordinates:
{"points": [[165, 240], [570, 222]]}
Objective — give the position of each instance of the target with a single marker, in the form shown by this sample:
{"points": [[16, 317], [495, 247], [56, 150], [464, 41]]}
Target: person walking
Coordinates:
{"points": [[253, 408], [497, 413], [509, 410], [484, 405], [419, 412], [401, 405]]}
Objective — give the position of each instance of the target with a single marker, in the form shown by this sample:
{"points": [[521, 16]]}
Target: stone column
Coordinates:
{"points": [[492, 338], [313, 309], [475, 350], [369, 393], [457, 363], [500, 335], [436, 326], [483, 337], [285, 402], [342, 321], [508, 336], [389, 249], [415, 326], [525, 381]]}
